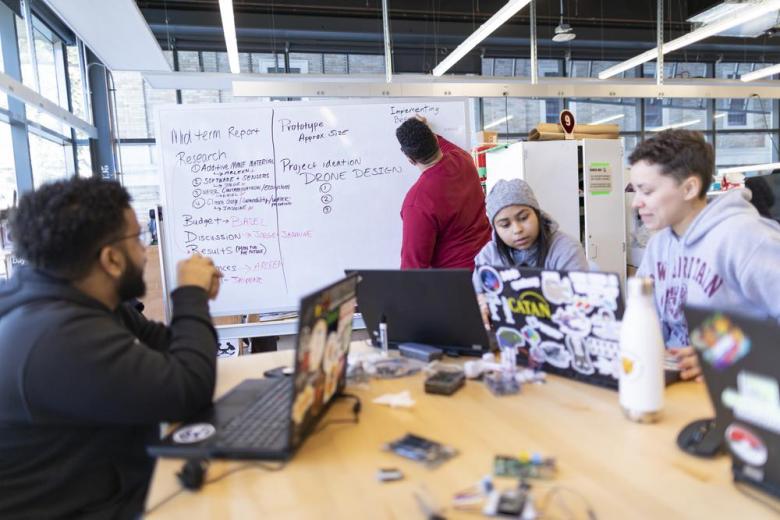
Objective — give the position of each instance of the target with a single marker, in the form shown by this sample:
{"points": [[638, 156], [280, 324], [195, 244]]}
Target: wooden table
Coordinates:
{"points": [[625, 470]]}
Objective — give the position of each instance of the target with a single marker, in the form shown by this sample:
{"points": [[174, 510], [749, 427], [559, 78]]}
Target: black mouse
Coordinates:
{"points": [[702, 438], [193, 473]]}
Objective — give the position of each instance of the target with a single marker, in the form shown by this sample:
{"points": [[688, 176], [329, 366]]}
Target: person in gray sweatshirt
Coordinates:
{"points": [[524, 235], [718, 254]]}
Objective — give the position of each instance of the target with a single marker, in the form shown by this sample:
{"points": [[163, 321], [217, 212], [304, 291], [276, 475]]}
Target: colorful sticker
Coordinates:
{"points": [[509, 337], [746, 445], [580, 359], [533, 321], [608, 366], [317, 344], [555, 290], [630, 367], [193, 433], [756, 400], [302, 403], [572, 321], [604, 324], [490, 279], [555, 354], [531, 336], [530, 282], [721, 342]]}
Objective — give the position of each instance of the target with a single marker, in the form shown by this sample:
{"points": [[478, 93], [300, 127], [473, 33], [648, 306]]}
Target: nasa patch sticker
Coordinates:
{"points": [[491, 281], [194, 433], [746, 445]]}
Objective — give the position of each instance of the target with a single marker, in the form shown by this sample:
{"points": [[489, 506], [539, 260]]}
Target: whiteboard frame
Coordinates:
{"points": [[168, 280]]}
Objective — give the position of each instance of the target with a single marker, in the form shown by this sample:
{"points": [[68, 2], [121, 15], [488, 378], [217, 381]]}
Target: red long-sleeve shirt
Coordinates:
{"points": [[443, 213]]}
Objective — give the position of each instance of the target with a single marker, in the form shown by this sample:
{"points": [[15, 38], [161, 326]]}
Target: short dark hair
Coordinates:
{"points": [[761, 195], [417, 140], [61, 226], [680, 154]]}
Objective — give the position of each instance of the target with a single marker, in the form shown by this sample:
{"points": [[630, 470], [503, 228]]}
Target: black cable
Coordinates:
{"points": [[356, 407], [248, 465]]}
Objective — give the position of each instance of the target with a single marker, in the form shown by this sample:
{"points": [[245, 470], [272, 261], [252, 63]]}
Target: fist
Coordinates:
{"points": [[199, 271]]}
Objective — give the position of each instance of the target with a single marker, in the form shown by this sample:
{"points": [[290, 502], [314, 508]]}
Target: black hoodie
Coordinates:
{"points": [[82, 389]]}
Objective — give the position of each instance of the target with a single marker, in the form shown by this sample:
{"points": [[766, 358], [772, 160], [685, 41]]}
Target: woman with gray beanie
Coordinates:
{"points": [[524, 235]]}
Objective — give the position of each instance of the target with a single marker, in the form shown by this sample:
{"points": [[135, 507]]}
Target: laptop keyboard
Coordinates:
{"points": [[264, 424]]}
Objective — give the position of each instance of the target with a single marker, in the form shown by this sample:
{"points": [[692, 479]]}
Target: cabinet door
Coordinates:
{"points": [[550, 167], [605, 239]]}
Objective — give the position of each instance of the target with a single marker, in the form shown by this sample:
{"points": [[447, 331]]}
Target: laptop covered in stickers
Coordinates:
{"points": [[269, 418], [740, 361], [563, 322]]}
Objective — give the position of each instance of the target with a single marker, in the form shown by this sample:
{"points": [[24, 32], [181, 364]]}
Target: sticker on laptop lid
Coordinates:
{"points": [[556, 290], [193, 433], [490, 279], [721, 342], [756, 400], [746, 445]]}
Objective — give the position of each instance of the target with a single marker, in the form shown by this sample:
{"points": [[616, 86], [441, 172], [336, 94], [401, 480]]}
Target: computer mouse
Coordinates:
{"points": [[702, 438]]}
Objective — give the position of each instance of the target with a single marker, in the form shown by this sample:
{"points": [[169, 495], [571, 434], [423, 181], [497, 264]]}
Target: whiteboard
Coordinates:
{"points": [[285, 196]]}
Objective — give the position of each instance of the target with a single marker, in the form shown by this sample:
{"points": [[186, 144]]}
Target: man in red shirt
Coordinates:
{"points": [[444, 219]]}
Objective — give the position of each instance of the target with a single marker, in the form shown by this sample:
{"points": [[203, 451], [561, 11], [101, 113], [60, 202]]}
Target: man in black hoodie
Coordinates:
{"points": [[84, 378]]}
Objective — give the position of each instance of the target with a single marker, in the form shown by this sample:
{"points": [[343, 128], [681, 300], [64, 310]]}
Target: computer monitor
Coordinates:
{"points": [[436, 307]]}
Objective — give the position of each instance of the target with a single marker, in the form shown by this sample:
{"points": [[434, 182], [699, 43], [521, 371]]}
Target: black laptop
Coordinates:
{"points": [[436, 307], [566, 322], [270, 418], [740, 360]]}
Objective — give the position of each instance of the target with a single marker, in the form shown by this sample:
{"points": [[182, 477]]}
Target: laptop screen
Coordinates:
{"points": [[324, 334], [741, 365], [565, 322]]}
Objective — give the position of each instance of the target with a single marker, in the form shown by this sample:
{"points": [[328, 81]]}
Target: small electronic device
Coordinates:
{"points": [[420, 351], [444, 382], [389, 474], [420, 449]]}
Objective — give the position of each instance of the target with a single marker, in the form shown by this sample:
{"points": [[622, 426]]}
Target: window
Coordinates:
{"points": [[7, 168], [140, 177], [3, 96], [738, 149], [366, 64], [48, 160]]}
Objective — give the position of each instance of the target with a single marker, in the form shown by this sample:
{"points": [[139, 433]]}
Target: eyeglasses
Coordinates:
{"points": [[144, 236]]}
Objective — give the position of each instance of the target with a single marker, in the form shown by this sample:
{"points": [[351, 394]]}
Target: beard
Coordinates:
{"points": [[131, 283]]}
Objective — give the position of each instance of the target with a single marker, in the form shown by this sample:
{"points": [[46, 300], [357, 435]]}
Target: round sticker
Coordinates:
{"points": [[746, 445], [490, 279], [194, 433]]}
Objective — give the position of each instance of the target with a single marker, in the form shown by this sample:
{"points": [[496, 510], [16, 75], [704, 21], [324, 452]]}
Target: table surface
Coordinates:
{"points": [[622, 469]]}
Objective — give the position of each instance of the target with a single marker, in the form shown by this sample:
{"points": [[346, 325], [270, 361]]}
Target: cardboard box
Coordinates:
{"points": [[487, 137]]}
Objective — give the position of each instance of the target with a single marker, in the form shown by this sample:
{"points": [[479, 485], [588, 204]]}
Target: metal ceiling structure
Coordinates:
{"points": [[424, 31]]}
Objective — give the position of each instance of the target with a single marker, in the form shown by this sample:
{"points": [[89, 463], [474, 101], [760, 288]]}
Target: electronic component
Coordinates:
{"points": [[444, 382], [420, 449], [420, 351]]}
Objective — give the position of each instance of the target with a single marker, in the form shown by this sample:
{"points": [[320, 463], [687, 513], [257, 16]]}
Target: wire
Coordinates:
{"points": [[555, 490], [356, 407], [766, 123], [248, 465]]}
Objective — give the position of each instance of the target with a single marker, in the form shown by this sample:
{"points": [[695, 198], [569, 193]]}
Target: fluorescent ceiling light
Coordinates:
{"points": [[761, 73], [722, 114], [498, 122], [750, 168], [608, 119], [674, 125], [229, 28], [494, 22], [717, 12], [751, 12]]}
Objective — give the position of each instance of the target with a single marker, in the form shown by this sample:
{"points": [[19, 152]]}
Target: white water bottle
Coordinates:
{"points": [[641, 385]]}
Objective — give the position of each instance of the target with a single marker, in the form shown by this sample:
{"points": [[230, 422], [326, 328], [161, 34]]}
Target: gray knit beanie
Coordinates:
{"points": [[509, 193]]}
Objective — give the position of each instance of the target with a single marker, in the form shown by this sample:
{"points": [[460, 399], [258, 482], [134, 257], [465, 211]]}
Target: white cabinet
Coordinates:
{"points": [[580, 184]]}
